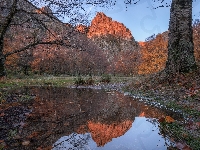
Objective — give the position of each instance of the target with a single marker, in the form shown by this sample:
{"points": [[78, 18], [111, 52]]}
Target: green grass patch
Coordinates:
{"points": [[180, 134], [40, 81]]}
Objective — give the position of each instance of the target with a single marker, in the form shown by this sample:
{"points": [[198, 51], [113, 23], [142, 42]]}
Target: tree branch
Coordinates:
{"points": [[8, 20], [19, 24], [57, 42], [38, 20]]}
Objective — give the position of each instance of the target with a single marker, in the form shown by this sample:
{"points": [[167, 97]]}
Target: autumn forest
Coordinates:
{"points": [[97, 56], [91, 85]]}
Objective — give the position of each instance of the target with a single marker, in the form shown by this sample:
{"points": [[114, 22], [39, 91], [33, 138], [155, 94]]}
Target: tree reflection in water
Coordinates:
{"points": [[73, 142]]}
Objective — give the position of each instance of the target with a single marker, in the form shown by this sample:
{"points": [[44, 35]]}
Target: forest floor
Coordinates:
{"points": [[180, 94]]}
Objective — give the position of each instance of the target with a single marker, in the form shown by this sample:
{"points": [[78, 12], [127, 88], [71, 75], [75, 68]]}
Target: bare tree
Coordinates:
{"points": [[180, 46], [27, 26]]}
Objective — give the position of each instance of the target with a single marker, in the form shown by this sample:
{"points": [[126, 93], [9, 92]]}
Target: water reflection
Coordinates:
{"points": [[104, 133], [90, 119], [142, 135]]}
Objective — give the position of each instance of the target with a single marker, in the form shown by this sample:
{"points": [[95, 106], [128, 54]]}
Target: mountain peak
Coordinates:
{"points": [[101, 14], [44, 9], [103, 25]]}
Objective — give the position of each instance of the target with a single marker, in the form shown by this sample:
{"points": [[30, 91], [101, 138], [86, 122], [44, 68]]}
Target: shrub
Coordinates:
{"points": [[89, 81], [79, 81], [105, 78]]}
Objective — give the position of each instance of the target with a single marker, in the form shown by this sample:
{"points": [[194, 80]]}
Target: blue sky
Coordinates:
{"points": [[141, 19]]}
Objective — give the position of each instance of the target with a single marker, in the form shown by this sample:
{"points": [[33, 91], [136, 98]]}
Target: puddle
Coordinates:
{"points": [[89, 119], [140, 135]]}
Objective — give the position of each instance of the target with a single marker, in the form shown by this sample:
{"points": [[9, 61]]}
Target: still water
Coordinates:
{"points": [[91, 119]]}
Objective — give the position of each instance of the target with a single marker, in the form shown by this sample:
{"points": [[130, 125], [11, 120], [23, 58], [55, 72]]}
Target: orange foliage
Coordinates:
{"points": [[153, 55], [154, 52], [169, 119], [11, 61]]}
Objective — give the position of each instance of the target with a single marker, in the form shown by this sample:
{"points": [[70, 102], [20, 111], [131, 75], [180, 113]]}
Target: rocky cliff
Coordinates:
{"points": [[111, 36], [82, 29], [102, 25]]}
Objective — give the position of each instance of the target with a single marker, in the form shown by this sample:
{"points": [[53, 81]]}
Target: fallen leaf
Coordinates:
{"points": [[32, 135], [184, 135], [3, 101], [169, 119], [198, 124], [161, 120], [39, 148], [17, 137], [182, 146], [66, 123], [25, 143], [2, 143], [2, 114], [193, 126], [48, 148]]}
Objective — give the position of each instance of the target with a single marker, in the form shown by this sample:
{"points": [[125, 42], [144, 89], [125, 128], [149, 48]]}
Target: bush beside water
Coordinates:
{"points": [[106, 78]]}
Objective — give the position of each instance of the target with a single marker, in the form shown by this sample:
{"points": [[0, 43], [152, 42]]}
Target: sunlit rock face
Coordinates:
{"points": [[104, 133], [44, 10], [102, 25], [141, 43], [82, 28]]}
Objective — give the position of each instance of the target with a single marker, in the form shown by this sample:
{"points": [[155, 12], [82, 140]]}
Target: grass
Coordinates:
{"points": [[179, 133], [60, 81], [37, 81]]}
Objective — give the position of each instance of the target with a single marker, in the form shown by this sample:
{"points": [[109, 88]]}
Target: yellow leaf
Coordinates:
{"points": [[169, 119]]}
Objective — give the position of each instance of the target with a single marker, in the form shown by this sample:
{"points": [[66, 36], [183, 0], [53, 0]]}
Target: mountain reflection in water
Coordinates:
{"points": [[142, 135], [91, 119]]}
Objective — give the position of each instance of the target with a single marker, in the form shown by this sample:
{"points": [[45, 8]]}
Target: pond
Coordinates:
{"points": [[84, 119]]}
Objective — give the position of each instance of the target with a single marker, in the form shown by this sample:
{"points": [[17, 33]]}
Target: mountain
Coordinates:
{"points": [[102, 25], [111, 36]]}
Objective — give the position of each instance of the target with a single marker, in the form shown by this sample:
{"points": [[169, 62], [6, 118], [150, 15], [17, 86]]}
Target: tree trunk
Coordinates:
{"points": [[2, 61], [180, 46], [3, 29]]}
